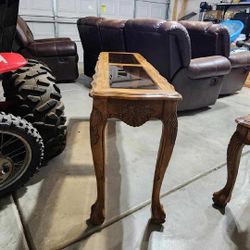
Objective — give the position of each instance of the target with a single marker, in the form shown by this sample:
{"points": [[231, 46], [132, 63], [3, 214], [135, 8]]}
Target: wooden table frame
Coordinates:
{"points": [[134, 107]]}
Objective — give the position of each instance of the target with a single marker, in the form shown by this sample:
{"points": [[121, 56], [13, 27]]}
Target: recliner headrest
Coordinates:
{"points": [[23, 32]]}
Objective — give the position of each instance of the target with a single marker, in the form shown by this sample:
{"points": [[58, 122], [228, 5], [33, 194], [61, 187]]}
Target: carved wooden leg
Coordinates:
{"points": [[234, 150], [168, 137], [97, 134]]}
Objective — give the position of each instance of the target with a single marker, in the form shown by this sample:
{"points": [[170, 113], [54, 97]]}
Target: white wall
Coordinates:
{"points": [[156, 9], [57, 18]]}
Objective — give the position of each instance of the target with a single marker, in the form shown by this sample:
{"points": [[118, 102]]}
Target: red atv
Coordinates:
{"points": [[32, 121]]}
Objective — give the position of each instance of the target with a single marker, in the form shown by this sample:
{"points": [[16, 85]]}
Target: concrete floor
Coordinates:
{"points": [[51, 211]]}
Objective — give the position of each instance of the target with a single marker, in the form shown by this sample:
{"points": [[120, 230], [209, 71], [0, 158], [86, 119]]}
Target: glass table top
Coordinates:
{"points": [[122, 58], [130, 77]]}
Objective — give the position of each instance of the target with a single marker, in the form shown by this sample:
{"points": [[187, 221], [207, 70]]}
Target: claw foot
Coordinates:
{"points": [[97, 214], [221, 198], [158, 215]]}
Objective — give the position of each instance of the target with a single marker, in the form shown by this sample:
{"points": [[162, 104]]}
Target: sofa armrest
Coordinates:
{"points": [[53, 48], [59, 39], [240, 59], [209, 66]]}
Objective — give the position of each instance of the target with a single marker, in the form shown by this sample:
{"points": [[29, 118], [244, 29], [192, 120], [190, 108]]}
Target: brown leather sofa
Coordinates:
{"points": [[60, 54], [209, 39], [166, 45]]}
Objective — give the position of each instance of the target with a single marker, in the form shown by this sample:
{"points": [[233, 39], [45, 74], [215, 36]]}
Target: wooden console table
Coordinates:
{"points": [[127, 87]]}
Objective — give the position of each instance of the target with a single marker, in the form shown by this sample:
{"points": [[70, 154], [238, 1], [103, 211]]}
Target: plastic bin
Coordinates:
{"points": [[234, 27]]}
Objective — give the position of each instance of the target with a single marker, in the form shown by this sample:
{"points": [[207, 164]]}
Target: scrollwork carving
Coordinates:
{"points": [[134, 114]]}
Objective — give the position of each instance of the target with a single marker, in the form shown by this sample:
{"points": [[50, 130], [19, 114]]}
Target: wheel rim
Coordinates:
{"points": [[15, 158]]}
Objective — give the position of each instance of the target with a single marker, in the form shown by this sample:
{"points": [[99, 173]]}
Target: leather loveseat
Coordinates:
{"points": [[209, 39], [166, 45], [60, 54]]}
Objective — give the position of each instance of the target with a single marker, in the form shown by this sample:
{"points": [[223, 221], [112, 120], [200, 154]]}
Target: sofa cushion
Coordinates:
{"points": [[207, 39], [112, 35], [165, 44]]}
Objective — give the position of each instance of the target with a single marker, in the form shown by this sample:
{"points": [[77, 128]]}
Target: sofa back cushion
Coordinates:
{"points": [[165, 44], [112, 35], [207, 39], [23, 33]]}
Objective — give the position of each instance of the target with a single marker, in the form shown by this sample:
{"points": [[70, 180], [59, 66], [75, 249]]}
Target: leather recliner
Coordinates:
{"points": [[60, 54], [166, 45], [209, 39]]}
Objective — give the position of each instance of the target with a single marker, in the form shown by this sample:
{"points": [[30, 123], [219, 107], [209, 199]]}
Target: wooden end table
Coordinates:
{"points": [[239, 139], [127, 87]]}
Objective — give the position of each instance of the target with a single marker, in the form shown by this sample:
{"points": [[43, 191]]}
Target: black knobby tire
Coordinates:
{"points": [[21, 148], [37, 98]]}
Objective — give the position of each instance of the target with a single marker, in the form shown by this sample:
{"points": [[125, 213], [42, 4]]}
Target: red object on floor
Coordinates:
{"points": [[11, 61]]}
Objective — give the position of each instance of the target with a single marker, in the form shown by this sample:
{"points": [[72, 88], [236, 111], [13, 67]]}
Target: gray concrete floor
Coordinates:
{"points": [[50, 212]]}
